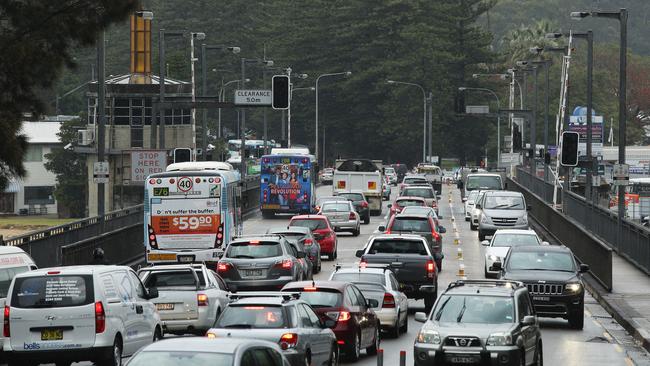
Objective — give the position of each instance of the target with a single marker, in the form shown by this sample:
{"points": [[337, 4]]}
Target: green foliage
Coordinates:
{"points": [[70, 170], [36, 38]]}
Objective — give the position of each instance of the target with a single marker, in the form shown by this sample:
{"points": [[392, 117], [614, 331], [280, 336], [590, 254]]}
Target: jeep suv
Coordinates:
{"points": [[553, 278], [487, 322]]}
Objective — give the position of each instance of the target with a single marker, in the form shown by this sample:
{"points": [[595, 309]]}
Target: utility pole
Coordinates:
{"points": [[430, 136], [101, 102]]}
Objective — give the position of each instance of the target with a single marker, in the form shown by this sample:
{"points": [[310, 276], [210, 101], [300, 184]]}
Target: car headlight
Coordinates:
{"points": [[500, 339], [524, 219], [573, 287], [428, 336], [485, 219], [492, 257]]}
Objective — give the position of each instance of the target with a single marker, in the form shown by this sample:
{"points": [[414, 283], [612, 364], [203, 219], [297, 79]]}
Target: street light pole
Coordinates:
{"points": [[345, 73], [199, 36], [430, 134], [424, 114]]}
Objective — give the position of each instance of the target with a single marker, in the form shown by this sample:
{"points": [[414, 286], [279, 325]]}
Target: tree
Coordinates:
{"points": [[37, 38], [71, 172]]}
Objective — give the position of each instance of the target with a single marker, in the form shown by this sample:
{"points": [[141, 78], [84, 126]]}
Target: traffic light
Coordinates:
{"points": [[280, 91], [516, 138], [182, 155], [570, 148]]}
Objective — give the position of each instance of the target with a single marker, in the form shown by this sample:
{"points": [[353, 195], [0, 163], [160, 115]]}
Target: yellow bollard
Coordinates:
{"points": [[461, 270], [460, 254], [453, 219], [456, 241]]}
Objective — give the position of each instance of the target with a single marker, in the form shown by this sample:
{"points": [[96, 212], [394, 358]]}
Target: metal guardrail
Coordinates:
{"points": [[602, 222]]}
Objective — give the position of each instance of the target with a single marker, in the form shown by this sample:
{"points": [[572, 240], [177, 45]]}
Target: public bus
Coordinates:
{"points": [[287, 181], [191, 212]]}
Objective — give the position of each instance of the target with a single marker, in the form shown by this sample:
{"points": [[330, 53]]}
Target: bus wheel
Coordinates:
{"points": [[268, 214]]}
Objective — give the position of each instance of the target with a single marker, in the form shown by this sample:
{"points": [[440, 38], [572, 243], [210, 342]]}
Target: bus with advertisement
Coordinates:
{"points": [[287, 181], [191, 212]]}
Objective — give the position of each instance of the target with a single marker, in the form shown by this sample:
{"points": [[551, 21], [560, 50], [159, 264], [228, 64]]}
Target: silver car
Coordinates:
{"points": [[207, 351], [304, 236], [501, 210], [282, 318], [190, 299], [342, 216]]}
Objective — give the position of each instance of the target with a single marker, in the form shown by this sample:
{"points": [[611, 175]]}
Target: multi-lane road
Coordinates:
{"points": [[601, 342]]}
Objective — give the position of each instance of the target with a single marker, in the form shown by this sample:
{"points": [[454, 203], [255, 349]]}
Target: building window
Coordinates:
{"points": [[43, 195], [34, 153]]}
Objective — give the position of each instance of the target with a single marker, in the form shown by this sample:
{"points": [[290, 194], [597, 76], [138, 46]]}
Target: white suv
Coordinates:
{"points": [[78, 313]]}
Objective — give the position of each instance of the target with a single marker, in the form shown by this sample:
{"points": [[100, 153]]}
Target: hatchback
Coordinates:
{"points": [[342, 216], [405, 201], [359, 202], [303, 236]]}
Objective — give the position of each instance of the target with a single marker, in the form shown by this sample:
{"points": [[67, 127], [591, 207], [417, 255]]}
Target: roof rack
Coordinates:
{"points": [[286, 296], [504, 283]]}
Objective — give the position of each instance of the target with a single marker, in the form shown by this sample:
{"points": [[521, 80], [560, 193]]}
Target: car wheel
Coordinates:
{"points": [[539, 355], [330, 256], [356, 232], [115, 356], [307, 358], [318, 267], [372, 350], [393, 331], [577, 319], [481, 236], [439, 265], [334, 356], [472, 227], [157, 334], [366, 220], [336, 254], [355, 351], [523, 357], [405, 327]]}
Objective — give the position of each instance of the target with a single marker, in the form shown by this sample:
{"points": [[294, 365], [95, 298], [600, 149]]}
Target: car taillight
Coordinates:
{"points": [[308, 242], [387, 231], [352, 217], [100, 317], [364, 204], [288, 340], [434, 204], [285, 264], [344, 316], [389, 301], [363, 263], [5, 331], [223, 267], [431, 268], [202, 300]]}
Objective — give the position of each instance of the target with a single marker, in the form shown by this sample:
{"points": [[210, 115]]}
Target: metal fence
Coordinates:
{"points": [[634, 243]]}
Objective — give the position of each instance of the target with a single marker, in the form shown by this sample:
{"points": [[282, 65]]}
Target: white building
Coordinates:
{"points": [[34, 194]]}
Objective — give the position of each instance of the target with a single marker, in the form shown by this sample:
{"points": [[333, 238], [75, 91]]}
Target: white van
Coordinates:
{"points": [[78, 313], [13, 261]]}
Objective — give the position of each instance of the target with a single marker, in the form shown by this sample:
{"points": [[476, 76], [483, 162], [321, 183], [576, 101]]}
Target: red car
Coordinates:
{"points": [[405, 201], [357, 325], [321, 229]]}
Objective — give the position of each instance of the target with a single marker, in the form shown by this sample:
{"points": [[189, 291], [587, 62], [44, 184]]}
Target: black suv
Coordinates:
{"points": [[487, 322], [553, 278]]}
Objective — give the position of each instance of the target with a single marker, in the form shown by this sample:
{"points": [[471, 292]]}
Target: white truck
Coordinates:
{"points": [[360, 175], [433, 174]]}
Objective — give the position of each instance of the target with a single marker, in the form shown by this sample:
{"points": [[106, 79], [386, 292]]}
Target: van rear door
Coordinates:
{"points": [[49, 312]]}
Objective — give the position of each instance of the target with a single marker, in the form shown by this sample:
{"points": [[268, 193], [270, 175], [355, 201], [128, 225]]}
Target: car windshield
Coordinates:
{"points": [[175, 358], [504, 202], [411, 224], [161, 279], [483, 182], [514, 240], [251, 250], [320, 298], [389, 171], [312, 224], [477, 309], [419, 192], [359, 277], [542, 261], [415, 181], [354, 197], [406, 203], [398, 246], [252, 316], [336, 207], [6, 275]]}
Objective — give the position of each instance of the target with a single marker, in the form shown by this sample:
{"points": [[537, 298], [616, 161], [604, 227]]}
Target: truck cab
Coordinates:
{"points": [[362, 175]]}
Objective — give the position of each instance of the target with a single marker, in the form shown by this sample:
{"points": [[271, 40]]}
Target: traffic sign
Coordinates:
{"points": [[621, 174], [259, 97], [101, 172]]}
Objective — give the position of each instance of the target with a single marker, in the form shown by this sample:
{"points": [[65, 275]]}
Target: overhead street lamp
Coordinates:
{"points": [[204, 89], [345, 74], [424, 113], [299, 76], [462, 88]]}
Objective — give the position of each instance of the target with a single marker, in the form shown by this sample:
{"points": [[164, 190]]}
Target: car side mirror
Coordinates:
{"points": [[442, 230], [485, 243], [584, 268], [301, 255], [478, 206], [496, 266], [528, 320], [152, 293], [329, 323], [359, 253], [421, 317], [372, 303], [464, 199], [381, 228]]}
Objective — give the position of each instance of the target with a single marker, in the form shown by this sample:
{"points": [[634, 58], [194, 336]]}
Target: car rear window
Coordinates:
{"points": [[359, 277], [185, 358], [514, 240], [411, 224], [365, 287], [336, 207], [419, 192], [252, 250], [163, 279], [398, 247], [312, 224], [355, 197], [320, 297], [406, 203], [252, 316], [414, 181], [53, 291]]}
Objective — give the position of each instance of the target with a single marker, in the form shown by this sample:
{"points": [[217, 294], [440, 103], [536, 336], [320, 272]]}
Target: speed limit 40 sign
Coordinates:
{"points": [[184, 184]]}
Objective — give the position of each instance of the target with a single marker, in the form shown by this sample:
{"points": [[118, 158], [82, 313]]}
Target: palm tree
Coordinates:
{"points": [[516, 44]]}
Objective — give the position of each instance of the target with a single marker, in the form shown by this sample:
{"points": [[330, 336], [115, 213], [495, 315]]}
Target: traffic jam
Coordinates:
{"points": [[210, 293]]}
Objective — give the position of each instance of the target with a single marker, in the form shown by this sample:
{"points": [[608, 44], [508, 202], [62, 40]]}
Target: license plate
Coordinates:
{"points": [[254, 273], [165, 306], [463, 359], [161, 257], [186, 258], [51, 334], [541, 298]]}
